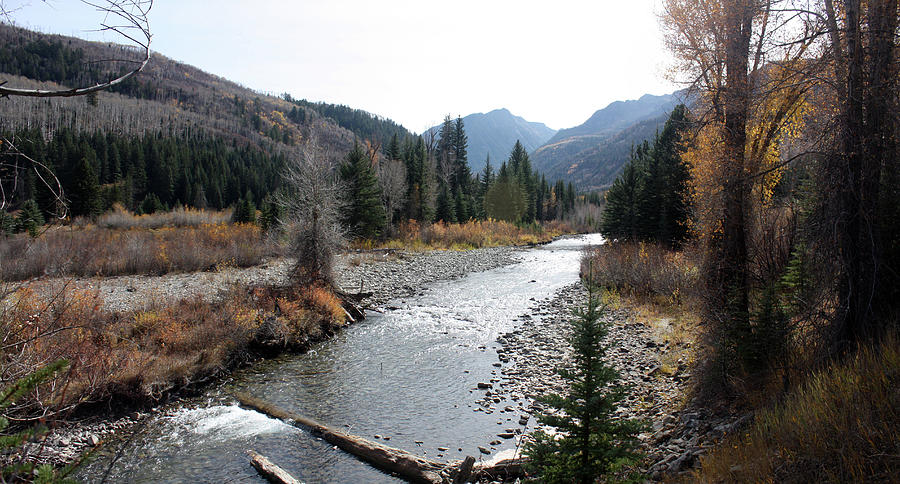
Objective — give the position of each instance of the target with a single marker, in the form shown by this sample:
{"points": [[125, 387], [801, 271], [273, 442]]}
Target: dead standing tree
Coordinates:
{"points": [[312, 198]]}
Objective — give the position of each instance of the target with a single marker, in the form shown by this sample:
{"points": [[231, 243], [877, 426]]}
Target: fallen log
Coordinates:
{"points": [[400, 462], [270, 471]]}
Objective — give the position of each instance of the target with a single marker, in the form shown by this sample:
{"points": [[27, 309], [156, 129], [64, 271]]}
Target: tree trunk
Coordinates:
{"points": [[733, 273]]}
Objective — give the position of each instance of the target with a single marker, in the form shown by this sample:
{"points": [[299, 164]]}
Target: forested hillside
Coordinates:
{"points": [[174, 133]]}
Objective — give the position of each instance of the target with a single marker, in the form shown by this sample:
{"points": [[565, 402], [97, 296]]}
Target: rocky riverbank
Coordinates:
{"points": [[382, 275], [386, 274], [678, 434]]}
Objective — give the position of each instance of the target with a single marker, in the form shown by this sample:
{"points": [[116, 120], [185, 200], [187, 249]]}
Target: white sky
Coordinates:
{"points": [[413, 61]]}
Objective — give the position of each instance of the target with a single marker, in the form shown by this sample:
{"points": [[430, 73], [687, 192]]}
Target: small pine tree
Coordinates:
{"points": [[151, 204], [7, 223], [590, 443], [270, 217], [30, 218]]}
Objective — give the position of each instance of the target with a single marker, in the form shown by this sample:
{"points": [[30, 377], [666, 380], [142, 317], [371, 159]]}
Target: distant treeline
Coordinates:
{"points": [[144, 174]]}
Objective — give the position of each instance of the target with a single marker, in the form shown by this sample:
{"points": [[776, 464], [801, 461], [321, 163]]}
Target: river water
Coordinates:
{"points": [[410, 374]]}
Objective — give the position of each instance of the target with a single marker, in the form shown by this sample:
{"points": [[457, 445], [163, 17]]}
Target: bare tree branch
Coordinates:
{"points": [[134, 14]]}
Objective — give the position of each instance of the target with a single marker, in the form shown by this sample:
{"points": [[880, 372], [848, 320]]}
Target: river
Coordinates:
{"points": [[410, 375]]}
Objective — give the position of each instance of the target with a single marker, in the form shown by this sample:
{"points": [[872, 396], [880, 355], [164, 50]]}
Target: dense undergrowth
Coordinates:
{"points": [[842, 424], [814, 421]]}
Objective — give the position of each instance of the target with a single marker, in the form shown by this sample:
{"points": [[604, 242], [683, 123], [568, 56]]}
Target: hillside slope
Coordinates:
{"points": [[592, 154], [170, 105]]}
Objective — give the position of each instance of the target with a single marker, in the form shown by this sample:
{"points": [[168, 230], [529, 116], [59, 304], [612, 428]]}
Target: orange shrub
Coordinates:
{"points": [[145, 353]]}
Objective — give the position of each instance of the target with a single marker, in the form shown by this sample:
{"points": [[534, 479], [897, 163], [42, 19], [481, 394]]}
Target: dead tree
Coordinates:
{"points": [[313, 202]]}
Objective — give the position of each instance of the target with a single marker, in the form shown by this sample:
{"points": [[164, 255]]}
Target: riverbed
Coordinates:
{"points": [[408, 377]]}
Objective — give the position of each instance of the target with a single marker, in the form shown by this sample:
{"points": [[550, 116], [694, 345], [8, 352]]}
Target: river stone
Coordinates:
{"points": [[483, 450]]}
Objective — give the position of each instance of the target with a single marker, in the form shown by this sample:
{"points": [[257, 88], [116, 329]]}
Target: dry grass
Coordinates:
{"points": [[91, 250], [138, 355], [120, 218], [841, 425], [643, 272], [473, 234]]}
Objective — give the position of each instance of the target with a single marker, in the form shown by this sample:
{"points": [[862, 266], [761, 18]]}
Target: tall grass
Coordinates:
{"points": [[841, 425], [91, 250], [472, 234], [120, 218]]}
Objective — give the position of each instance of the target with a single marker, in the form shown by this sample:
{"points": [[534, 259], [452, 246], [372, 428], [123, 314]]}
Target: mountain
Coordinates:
{"points": [[496, 132], [173, 132], [592, 154]]}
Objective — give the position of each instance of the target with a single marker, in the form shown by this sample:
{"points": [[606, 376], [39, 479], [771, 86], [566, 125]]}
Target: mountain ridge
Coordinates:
{"points": [[495, 133], [592, 153]]}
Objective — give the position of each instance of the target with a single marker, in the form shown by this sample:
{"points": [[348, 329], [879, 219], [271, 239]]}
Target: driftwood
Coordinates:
{"points": [[270, 471], [504, 470], [465, 470], [406, 465]]}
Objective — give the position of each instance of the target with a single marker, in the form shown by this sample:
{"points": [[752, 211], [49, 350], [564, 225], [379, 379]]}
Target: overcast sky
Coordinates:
{"points": [[413, 61]]}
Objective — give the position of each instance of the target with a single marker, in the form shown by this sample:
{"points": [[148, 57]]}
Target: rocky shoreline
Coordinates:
{"points": [[677, 435], [382, 275]]}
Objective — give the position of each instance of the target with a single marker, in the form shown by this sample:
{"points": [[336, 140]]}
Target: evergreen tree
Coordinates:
{"points": [[674, 202], [462, 208], [151, 204], [505, 200], [392, 152], [621, 216], [593, 441], [85, 193], [7, 223], [445, 210], [30, 218], [365, 213], [649, 200], [270, 217], [462, 174]]}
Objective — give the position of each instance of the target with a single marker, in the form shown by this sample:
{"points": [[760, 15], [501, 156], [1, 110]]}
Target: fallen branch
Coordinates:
{"points": [[270, 471]]}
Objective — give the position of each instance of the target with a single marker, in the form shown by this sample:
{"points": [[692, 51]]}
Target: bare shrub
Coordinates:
{"points": [[643, 270]]}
